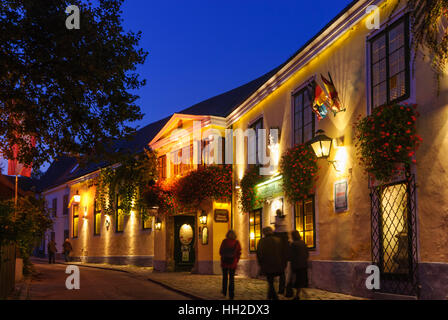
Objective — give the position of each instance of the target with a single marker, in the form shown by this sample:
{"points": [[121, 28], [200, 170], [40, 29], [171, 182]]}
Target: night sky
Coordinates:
{"points": [[198, 49]]}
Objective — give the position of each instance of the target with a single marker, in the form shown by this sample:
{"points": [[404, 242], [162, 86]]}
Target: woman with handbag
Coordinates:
{"points": [[230, 252]]}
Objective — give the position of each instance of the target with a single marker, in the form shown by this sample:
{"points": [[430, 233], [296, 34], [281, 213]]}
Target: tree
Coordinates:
{"points": [[25, 226], [70, 89]]}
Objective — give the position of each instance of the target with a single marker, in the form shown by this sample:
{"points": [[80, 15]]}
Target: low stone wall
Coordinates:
{"points": [[433, 278]]}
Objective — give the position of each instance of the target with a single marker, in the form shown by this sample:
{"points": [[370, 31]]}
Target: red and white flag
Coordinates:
{"points": [[17, 168]]}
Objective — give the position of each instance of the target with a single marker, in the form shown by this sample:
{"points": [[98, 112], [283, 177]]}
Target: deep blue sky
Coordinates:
{"points": [[198, 49]]}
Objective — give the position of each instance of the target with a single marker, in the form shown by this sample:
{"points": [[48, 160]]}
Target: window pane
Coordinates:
{"points": [[396, 62], [379, 49], [396, 37], [379, 72], [97, 223], [397, 86], [379, 94], [75, 227]]}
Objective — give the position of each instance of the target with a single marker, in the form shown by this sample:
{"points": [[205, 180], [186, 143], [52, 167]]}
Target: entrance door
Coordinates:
{"points": [[184, 239]]}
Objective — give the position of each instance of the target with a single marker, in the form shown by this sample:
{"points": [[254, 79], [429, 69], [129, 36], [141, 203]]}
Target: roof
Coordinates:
{"points": [[57, 173]]}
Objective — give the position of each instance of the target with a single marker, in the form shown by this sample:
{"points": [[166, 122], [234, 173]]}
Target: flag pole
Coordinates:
{"points": [[15, 196]]}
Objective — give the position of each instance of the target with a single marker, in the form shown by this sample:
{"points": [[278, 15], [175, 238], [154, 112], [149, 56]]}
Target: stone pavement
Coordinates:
{"points": [[208, 287]]}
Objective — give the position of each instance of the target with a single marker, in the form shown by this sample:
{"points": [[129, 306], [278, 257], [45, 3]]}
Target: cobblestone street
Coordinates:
{"points": [[208, 287]]}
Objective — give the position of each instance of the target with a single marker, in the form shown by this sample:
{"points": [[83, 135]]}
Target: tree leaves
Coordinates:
{"points": [[71, 89]]}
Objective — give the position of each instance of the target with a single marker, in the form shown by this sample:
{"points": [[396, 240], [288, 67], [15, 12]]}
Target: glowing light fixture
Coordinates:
{"points": [[158, 224], [321, 145], [107, 222], [77, 198], [203, 217]]}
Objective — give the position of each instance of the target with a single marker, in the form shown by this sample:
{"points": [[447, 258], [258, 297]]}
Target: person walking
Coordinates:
{"points": [[230, 252], [67, 246], [281, 232], [52, 251], [269, 256], [298, 255]]}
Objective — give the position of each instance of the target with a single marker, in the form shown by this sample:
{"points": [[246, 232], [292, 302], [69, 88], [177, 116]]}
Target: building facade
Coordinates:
{"points": [[350, 221]]}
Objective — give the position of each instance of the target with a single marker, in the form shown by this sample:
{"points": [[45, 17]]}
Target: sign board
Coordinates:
{"points": [[221, 215], [340, 196]]}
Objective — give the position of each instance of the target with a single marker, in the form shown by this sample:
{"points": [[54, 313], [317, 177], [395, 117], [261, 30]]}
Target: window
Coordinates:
{"points": [[256, 126], [389, 69], [53, 236], [66, 234], [55, 207], [182, 160], [75, 220], [119, 217], [147, 223], [96, 218], [304, 117], [162, 167], [65, 204], [304, 221], [254, 229]]}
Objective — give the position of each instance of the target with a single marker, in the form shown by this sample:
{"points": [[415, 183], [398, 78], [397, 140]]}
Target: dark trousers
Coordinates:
{"points": [[51, 257], [272, 295], [228, 276], [282, 283]]}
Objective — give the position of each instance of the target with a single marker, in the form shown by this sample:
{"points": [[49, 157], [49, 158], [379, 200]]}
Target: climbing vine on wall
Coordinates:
{"points": [[430, 30], [127, 180], [248, 199]]}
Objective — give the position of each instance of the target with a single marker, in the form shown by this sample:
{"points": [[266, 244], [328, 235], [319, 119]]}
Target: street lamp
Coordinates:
{"points": [[203, 217], [321, 145]]}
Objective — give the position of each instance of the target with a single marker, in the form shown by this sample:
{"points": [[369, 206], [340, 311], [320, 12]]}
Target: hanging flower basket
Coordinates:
{"points": [[213, 182], [387, 140], [248, 200], [299, 169]]}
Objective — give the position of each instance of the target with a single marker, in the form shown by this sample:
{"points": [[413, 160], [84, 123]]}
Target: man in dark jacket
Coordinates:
{"points": [[67, 246], [269, 256], [298, 255], [52, 251]]}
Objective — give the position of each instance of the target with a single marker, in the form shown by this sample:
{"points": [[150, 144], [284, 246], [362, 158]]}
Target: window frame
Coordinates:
{"points": [[117, 208], [96, 211], [301, 90], [253, 213], [75, 209], [162, 166], [253, 125], [384, 31], [313, 197], [54, 207], [65, 203], [143, 222]]}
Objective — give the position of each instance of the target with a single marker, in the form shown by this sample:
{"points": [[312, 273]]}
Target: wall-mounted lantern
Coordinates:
{"points": [[321, 145], [158, 224], [76, 198], [203, 217], [107, 222]]}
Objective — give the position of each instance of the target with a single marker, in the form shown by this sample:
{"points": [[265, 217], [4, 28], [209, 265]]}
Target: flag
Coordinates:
{"points": [[319, 100], [335, 104], [17, 168]]}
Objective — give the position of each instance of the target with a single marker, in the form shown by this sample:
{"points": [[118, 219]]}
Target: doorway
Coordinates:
{"points": [[184, 242]]}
